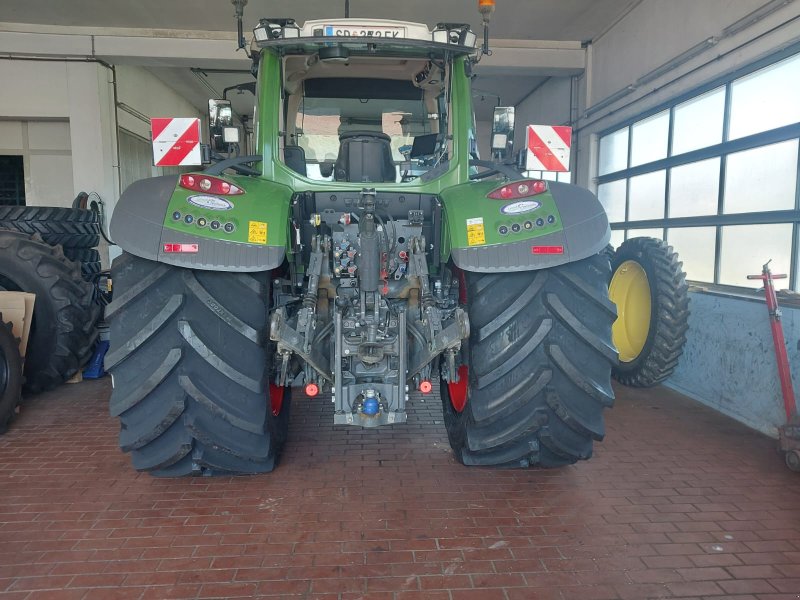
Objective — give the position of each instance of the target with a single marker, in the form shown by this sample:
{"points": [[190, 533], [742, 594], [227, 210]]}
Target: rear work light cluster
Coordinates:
{"points": [[519, 189], [209, 185]]}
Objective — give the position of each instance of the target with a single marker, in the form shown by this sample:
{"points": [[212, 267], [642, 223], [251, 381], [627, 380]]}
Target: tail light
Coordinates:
{"points": [[209, 185], [519, 189]]}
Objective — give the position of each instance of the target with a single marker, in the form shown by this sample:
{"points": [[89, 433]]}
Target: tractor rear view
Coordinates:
{"points": [[364, 251]]}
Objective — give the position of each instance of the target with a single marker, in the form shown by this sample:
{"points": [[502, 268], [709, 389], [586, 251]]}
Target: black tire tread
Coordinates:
{"points": [[11, 394], [82, 254], [539, 357], [70, 227], [37, 267], [191, 363], [90, 269], [669, 314]]}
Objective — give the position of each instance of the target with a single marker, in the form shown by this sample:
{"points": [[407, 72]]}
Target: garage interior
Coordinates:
{"points": [[685, 121]]}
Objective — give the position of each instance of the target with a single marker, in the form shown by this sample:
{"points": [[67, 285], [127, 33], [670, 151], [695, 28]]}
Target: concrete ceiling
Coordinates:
{"points": [[557, 20], [581, 20]]}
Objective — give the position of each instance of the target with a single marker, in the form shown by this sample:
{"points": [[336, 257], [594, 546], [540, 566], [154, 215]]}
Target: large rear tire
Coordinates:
{"points": [[10, 375], [65, 315], [190, 361], [538, 367], [648, 286]]}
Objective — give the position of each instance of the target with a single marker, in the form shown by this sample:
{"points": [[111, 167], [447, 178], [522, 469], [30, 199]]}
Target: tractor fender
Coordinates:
{"points": [[145, 223], [565, 224]]}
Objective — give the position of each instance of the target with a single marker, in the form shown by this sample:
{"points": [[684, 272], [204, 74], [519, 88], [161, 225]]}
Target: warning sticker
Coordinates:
{"points": [[476, 235], [257, 232]]}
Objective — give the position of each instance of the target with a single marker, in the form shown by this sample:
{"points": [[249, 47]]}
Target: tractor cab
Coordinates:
{"points": [[367, 102]]}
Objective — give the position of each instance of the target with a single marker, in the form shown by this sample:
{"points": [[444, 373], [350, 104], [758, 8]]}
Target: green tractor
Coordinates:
{"points": [[363, 253]]}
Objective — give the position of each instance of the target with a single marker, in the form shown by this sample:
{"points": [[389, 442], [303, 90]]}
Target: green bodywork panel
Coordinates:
{"points": [[469, 213], [259, 216], [267, 198], [259, 220]]}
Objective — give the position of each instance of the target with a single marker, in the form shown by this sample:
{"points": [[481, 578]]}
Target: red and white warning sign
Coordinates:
{"points": [[548, 148], [176, 142]]}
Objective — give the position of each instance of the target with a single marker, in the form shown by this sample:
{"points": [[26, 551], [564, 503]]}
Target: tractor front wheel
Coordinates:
{"points": [[538, 367]]}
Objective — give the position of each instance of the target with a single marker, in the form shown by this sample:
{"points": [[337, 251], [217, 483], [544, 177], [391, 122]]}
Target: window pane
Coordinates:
{"points": [[649, 139], [614, 151], [698, 122], [612, 197], [617, 237], [694, 189], [745, 248], [762, 178], [695, 245], [767, 99], [647, 196], [565, 176]]}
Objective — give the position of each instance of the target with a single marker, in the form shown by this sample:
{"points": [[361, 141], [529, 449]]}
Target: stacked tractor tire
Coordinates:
{"points": [[50, 252]]}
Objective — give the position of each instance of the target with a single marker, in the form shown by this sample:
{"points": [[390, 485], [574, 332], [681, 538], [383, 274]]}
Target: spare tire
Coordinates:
{"points": [[648, 286], [63, 329], [10, 375], [70, 227], [82, 254]]}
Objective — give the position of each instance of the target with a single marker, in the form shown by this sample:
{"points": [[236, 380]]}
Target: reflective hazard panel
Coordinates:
{"points": [[548, 148], [176, 142]]}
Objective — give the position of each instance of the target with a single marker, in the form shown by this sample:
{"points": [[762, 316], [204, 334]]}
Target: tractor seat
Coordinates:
{"points": [[365, 157]]}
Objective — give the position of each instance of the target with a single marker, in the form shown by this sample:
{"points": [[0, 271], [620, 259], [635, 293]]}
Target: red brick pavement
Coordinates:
{"points": [[679, 502]]}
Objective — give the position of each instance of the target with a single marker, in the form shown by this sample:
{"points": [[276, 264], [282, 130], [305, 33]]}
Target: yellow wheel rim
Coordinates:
{"points": [[630, 291]]}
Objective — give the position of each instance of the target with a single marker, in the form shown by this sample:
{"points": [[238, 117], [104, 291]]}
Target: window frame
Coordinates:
{"points": [[721, 150]]}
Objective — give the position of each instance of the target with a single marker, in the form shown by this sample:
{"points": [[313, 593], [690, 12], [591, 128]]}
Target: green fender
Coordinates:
{"points": [[158, 220], [564, 224]]}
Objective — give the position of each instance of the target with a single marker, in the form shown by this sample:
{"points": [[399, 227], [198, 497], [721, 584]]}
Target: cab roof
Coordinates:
{"points": [[365, 37]]}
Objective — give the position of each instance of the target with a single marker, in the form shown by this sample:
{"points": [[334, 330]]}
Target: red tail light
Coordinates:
{"points": [[519, 189], [209, 185]]}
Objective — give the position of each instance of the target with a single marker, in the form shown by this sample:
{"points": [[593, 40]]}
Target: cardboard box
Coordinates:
{"points": [[17, 308]]}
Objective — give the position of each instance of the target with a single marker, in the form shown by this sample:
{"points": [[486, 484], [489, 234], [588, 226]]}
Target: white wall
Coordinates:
{"points": [[77, 151], [139, 89], [656, 33], [46, 158], [61, 116], [549, 105]]}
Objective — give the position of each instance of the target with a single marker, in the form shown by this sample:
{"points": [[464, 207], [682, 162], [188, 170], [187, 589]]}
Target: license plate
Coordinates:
{"points": [[365, 32]]}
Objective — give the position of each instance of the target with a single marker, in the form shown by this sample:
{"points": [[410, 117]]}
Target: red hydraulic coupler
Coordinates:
{"points": [[789, 433]]}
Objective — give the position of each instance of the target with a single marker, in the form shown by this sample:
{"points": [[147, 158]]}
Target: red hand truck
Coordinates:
{"points": [[790, 432]]}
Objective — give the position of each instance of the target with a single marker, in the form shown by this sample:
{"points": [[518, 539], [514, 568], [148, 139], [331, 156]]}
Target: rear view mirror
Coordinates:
{"points": [[220, 113], [503, 133], [220, 124]]}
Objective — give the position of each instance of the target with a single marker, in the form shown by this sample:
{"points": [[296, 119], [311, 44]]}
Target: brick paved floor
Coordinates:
{"points": [[678, 503]]}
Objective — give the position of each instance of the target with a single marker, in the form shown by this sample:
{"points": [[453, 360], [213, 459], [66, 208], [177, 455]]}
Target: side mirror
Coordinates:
{"points": [[220, 121], [220, 113], [503, 133]]}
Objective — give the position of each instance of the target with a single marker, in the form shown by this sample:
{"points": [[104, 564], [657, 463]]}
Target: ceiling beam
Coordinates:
{"points": [[174, 48]]}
